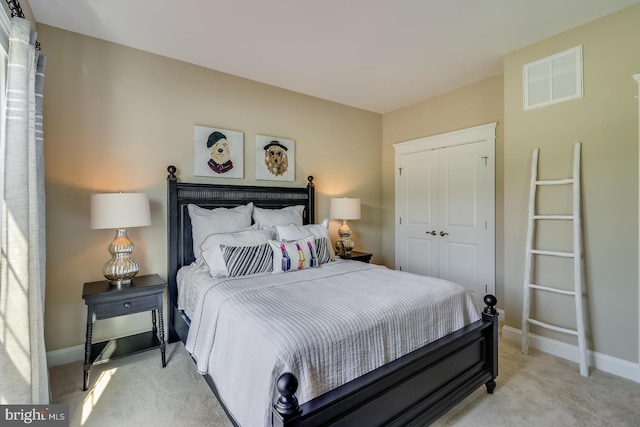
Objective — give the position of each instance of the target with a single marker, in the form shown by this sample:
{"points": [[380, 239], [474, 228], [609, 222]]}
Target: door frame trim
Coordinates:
{"points": [[449, 139]]}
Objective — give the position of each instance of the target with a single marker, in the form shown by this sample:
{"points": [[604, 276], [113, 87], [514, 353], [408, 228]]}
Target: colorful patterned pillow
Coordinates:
{"points": [[293, 255], [320, 232], [243, 260]]}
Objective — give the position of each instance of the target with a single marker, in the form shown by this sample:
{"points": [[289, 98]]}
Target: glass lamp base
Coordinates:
{"points": [[120, 283], [344, 245], [122, 267]]}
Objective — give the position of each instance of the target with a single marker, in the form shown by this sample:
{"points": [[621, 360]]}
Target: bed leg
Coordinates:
{"points": [[491, 385], [286, 411]]}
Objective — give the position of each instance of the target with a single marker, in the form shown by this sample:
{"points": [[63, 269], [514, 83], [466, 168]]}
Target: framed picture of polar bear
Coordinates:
{"points": [[218, 152], [275, 158]]}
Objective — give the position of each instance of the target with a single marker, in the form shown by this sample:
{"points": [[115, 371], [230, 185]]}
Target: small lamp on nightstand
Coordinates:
{"points": [[345, 209], [120, 211]]}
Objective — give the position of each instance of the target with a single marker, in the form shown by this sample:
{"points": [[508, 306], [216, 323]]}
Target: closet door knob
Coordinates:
{"points": [[444, 233], [432, 232]]}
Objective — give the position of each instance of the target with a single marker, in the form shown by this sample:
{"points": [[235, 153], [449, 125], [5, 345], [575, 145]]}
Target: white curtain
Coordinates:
{"points": [[23, 368]]}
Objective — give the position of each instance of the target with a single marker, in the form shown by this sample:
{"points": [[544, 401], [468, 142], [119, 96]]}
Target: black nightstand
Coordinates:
{"points": [[358, 256], [105, 301]]}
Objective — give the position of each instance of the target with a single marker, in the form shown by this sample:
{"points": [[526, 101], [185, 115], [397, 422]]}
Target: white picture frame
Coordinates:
{"points": [[275, 158], [218, 153]]}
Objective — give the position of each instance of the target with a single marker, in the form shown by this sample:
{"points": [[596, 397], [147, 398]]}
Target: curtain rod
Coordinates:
{"points": [[16, 10]]}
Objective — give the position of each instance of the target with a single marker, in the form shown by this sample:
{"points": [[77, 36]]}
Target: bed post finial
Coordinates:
{"points": [[491, 302], [310, 179], [286, 409], [172, 173]]}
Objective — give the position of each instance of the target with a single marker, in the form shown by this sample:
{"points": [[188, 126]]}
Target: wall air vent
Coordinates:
{"points": [[556, 78]]}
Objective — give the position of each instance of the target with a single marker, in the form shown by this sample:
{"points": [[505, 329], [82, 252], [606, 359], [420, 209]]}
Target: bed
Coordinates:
{"points": [[413, 389]]}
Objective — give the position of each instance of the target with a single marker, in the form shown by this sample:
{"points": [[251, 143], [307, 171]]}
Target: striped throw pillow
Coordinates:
{"points": [[323, 249], [243, 260]]}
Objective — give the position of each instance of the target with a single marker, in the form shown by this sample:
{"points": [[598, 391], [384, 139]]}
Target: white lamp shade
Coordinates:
{"points": [[345, 208], [119, 210]]}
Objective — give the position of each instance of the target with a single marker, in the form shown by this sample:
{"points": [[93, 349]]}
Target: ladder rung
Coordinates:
{"points": [[553, 253], [553, 217], [554, 328], [550, 289], [555, 181]]}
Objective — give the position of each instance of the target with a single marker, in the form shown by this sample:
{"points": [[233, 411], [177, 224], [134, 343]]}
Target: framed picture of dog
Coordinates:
{"points": [[218, 152], [275, 158]]}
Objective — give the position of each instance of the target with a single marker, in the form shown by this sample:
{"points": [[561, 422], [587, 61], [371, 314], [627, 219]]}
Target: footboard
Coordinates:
{"points": [[413, 390]]}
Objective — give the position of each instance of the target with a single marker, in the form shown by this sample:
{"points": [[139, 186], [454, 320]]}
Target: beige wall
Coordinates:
{"points": [[605, 121], [469, 106], [116, 117]]}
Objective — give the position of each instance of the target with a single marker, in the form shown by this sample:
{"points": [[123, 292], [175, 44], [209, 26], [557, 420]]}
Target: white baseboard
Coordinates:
{"points": [[603, 362], [65, 356]]}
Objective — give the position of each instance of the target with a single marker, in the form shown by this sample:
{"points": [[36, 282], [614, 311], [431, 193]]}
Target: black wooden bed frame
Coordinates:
{"points": [[415, 389]]}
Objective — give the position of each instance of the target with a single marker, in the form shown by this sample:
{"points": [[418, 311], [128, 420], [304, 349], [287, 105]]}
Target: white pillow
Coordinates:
{"points": [[296, 255], [266, 218], [212, 253], [324, 248], [205, 222]]}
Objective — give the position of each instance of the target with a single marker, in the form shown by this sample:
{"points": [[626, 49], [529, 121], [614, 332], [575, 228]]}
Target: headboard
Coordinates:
{"points": [[210, 196]]}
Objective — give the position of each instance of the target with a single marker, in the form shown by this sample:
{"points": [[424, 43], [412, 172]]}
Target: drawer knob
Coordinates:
{"points": [[127, 305]]}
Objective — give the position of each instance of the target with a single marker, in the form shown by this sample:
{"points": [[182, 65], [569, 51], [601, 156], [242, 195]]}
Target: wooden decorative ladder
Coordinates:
{"points": [[576, 255]]}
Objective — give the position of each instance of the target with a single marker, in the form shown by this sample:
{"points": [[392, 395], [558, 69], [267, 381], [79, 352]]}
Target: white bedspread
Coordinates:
{"points": [[326, 325]]}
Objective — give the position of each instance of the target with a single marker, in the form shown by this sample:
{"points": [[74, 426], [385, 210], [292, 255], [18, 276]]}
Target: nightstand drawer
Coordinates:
{"points": [[105, 310]]}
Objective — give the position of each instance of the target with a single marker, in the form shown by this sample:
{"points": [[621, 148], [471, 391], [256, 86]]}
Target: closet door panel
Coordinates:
{"points": [[445, 207], [422, 255], [458, 263], [460, 177], [419, 219], [459, 187]]}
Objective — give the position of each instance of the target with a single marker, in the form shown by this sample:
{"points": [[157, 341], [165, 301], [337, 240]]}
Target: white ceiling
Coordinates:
{"points": [[378, 55]]}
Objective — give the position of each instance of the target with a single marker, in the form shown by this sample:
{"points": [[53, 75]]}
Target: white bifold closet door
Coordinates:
{"points": [[445, 211]]}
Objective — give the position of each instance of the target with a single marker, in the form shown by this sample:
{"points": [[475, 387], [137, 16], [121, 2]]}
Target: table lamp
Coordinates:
{"points": [[345, 209], [120, 211]]}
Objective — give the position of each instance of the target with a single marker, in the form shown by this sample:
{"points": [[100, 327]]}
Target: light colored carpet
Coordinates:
{"points": [[534, 390], [135, 391], [544, 390]]}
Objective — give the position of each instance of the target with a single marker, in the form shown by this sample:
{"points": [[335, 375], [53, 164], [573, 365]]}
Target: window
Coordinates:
{"points": [[556, 78], [5, 26]]}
